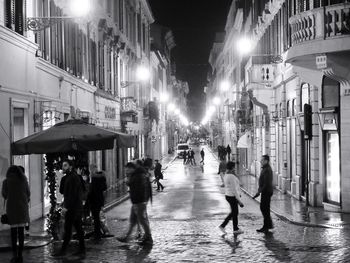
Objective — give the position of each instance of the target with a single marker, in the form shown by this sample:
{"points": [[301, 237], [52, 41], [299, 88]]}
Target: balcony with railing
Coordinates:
{"points": [[128, 109], [320, 30]]}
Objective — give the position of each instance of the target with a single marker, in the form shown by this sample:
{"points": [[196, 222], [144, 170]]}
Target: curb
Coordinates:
{"points": [[290, 220], [6, 248]]}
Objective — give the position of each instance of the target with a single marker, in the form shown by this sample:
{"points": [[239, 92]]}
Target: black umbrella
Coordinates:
{"points": [[70, 136]]}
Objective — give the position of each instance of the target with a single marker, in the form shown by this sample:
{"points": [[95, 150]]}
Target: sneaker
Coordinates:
{"points": [[222, 229], [262, 230], [238, 231]]}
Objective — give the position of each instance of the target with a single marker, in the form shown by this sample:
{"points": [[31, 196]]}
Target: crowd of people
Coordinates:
{"points": [[83, 192]]}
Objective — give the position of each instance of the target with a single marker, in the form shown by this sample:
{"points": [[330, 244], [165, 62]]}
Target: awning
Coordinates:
{"points": [[244, 141], [125, 140]]}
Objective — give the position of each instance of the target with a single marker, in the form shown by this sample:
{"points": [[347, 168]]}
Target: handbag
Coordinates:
{"points": [[4, 218]]}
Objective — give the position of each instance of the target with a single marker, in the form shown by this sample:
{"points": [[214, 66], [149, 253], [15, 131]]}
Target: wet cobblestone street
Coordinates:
{"points": [[184, 220]]}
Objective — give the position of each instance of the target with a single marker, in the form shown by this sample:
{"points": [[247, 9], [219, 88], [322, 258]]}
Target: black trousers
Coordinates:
{"points": [[17, 234], [73, 218], [234, 213], [159, 185], [95, 211], [265, 209]]}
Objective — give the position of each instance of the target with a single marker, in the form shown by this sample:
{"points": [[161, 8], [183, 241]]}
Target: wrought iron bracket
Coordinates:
{"points": [[40, 23]]}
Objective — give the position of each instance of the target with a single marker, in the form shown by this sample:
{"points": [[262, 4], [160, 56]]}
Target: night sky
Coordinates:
{"points": [[194, 23]]}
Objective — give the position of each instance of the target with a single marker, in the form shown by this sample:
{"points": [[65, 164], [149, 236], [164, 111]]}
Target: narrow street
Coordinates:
{"points": [[184, 220]]}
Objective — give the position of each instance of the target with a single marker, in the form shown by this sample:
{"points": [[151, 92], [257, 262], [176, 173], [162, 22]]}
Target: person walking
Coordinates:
{"points": [[193, 159], [266, 191], [139, 195], [202, 156], [15, 191], [158, 175], [233, 197], [96, 200], [72, 207], [184, 154], [228, 150], [222, 170]]}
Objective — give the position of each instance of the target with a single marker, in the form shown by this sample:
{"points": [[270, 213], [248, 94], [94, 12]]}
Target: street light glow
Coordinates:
{"points": [[225, 85], [80, 8], [171, 107], [216, 101], [164, 97], [177, 111], [244, 45], [142, 73], [211, 109]]}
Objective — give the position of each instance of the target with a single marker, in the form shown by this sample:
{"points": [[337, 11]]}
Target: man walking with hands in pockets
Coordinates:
{"points": [[232, 194]]}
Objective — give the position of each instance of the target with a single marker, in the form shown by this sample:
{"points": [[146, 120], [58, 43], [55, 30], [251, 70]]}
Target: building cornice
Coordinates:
{"points": [[17, 40], [57, 72], [147, 9]]}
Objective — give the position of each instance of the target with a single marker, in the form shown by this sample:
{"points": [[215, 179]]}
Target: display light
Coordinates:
{"points": [[171, 107], [244, 45], [142, 73], [216, 101], [80, 8], [164, 97]]}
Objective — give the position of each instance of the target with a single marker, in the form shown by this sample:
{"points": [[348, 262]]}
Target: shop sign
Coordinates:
{"points": [[110, 113]]}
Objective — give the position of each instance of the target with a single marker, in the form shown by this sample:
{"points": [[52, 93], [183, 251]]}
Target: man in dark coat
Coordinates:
{"points": [[202, 155], [266, 191], [96, 199], [139, 195], [73, 207]]}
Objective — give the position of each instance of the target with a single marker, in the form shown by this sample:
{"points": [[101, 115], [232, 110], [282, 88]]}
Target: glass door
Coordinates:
{"points": [[332, 167]]}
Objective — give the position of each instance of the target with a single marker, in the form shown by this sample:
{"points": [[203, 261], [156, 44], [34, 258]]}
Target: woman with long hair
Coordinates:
{"points": [[15, 190]]}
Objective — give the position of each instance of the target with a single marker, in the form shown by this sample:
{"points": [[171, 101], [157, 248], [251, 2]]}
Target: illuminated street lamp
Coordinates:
{"points": [[177, 111], [142, 73], [225, 85], [211, 109], [244, 45], [77, 9], [216, 101], [164, 97], [171, 107], [80, 8]]}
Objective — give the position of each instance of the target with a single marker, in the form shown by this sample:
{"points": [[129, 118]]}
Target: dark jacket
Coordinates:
{"points": [[139, 187], [96, 192], [265, 180], [158, 171], [202, 153], [73, 192], [15, 190]]}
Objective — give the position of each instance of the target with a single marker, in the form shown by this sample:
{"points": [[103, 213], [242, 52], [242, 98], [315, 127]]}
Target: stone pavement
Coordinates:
{"points": [[288, 208], [184, 220], [38, 237]]}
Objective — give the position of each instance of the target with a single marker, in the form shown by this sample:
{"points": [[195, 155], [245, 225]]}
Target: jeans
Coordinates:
{"points": [[138, 214], [265, 209], [73, 218], [234, 213]]}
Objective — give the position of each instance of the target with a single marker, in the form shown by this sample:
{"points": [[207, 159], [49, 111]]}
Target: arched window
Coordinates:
{"points": [[304, 96]]}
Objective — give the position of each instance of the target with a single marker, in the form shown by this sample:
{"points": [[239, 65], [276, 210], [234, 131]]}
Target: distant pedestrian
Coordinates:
{"points": [[184, 154], [202, 155], [158, 175], [96, 200], [266, 191], [73, 207], [139, 196], [222, 170], [193, 159], [15, 190], [233, 197], [228, 151]]}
